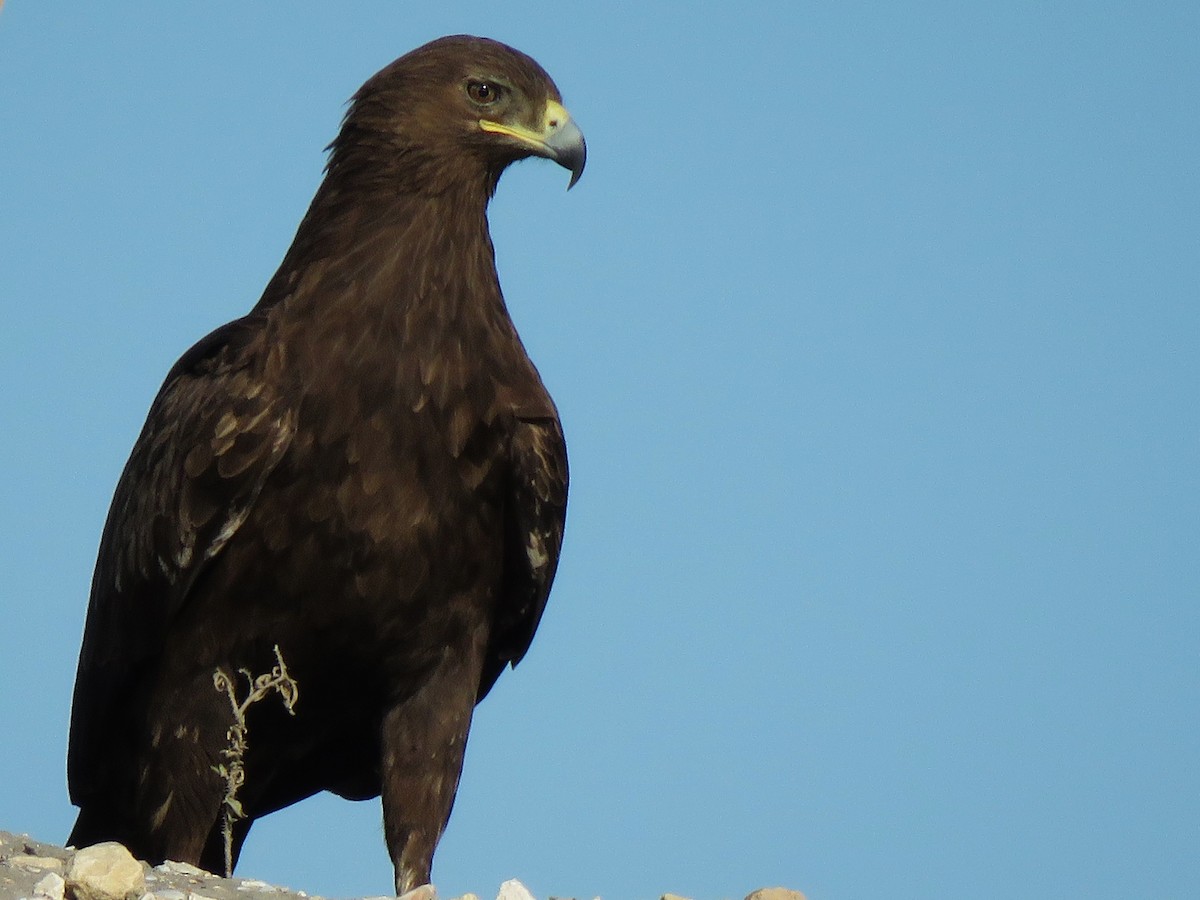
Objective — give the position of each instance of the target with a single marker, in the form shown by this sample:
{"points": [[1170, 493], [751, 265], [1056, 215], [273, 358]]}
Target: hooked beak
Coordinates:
{"points": [[559, 139]]}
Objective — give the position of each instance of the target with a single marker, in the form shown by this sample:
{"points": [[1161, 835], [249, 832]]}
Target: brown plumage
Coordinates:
{"points": [[365, 471]]}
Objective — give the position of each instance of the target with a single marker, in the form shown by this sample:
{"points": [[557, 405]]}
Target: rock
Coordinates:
{"points": [[30, 870], [51, 887], [35, 863], [105, 872], [775, 893], [514, 890], [170, 867]]}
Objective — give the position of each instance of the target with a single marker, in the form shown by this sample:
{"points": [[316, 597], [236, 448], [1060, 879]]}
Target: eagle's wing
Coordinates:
{"points": [[214, 433], [535, 515]]}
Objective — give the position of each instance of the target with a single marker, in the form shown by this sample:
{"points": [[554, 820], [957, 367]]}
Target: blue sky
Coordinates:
{"points": [[874, 330]]}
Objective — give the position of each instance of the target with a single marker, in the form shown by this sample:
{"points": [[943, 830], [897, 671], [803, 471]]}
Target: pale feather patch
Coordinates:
{"points": [[535, 551], [160, 815], [184, 557], [226, 425], [232, 524]]}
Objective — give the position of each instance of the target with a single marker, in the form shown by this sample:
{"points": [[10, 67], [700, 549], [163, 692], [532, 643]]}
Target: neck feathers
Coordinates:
{"points": [[368, 243], [397, 293]]}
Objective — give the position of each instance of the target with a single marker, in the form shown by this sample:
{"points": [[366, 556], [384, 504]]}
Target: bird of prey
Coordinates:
{"points": [[353, 495]]}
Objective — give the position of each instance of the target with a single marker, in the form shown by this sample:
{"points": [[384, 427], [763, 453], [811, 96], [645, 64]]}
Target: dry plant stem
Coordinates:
{"points": [[234, 772]]}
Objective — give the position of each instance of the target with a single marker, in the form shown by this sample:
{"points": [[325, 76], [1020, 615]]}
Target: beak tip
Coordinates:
{"points": [[569, 150], [577, 169]]}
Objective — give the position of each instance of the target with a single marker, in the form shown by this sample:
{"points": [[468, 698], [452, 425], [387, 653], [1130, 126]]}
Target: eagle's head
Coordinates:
{"points": [[456, 111]]}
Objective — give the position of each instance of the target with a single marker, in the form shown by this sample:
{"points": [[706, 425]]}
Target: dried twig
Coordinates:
{"points": [[234, 773]]}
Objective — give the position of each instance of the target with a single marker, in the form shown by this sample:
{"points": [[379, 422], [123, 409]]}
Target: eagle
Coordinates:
{"points": [[341, 520]]}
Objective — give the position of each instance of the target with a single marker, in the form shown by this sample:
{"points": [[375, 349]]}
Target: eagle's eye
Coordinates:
{"points": [[484, 93]]}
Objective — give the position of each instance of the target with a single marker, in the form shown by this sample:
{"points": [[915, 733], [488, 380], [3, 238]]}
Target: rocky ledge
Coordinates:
{"points": [[30, 870]]}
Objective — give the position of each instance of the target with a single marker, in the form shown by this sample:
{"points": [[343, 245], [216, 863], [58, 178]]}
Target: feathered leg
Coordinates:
{"points": [[180, 792], [430, 726]]}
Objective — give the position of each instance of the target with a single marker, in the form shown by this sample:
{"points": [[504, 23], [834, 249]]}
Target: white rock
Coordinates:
{"points": [[468, 896], [171, 867], [775, 893], [51, 887], [105, 872], [253, 884], [170, 894], [514, 890], [424, 892], [37, 863]]}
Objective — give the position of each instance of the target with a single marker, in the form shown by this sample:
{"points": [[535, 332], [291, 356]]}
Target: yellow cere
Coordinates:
{"points": [[554, 117]]}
